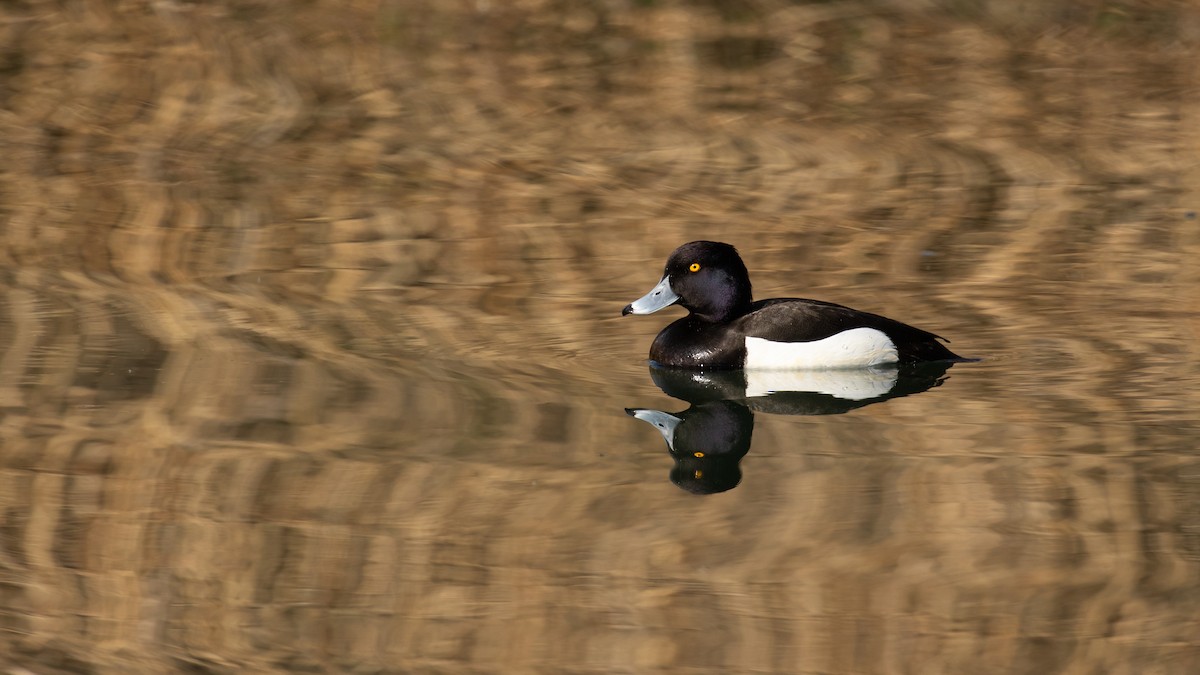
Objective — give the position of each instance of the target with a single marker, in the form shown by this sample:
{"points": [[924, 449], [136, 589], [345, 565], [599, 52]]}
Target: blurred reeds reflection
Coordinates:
{"points": [[306, 357]]}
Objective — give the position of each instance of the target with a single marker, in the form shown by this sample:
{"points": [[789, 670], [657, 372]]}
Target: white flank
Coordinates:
{"points": [[854, 348], [850, 384]]}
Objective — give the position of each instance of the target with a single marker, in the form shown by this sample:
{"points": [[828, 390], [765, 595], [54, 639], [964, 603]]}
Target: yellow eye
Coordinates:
{"points": [[697, 454], [695, 267]]}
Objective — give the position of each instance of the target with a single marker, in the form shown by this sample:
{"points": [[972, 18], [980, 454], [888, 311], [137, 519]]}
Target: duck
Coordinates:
{"points": [[727, 329]]}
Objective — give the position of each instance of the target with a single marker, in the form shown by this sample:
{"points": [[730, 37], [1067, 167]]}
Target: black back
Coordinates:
{"points": [[800, 320]]}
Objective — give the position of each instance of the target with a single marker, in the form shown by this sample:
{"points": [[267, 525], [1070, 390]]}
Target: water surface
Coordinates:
{"points": [[311, 355]]}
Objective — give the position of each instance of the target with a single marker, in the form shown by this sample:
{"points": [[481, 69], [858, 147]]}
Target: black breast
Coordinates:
{"points": [[693, 343]]}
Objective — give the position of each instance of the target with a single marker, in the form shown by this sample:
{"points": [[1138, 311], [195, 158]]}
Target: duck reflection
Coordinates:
{"points": [[709, 439]]}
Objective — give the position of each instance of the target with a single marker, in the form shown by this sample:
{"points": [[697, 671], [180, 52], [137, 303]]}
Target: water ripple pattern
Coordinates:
{"points": [[311, 356]]}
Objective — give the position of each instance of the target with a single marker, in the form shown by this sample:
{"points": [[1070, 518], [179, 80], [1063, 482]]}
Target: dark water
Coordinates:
{"points": [[311, 355]]}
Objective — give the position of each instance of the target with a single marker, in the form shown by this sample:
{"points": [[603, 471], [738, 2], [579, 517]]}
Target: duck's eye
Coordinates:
{"points": [[694, 267], [697, 454]]}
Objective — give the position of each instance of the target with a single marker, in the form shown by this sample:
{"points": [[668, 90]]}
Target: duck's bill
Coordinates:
{"points": [[664, 422], [660, 296]]}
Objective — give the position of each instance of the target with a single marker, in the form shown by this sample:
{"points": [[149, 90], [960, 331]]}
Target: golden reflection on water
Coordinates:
{"points": [[311, 356]]}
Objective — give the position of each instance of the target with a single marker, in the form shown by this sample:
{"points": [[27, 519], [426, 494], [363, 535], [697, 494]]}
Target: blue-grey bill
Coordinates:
{"points": [[660, 296], [664, 422]]}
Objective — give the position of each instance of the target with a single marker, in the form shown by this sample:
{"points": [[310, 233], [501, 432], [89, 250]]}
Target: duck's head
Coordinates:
{"points": [[706, 277]]}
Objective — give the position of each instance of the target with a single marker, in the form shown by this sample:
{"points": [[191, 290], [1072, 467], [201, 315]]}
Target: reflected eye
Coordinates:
{"points": [[694, 267], [697, 454]]}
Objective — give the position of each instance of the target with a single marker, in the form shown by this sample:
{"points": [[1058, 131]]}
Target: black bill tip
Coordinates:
{"points": [[628, 310]]}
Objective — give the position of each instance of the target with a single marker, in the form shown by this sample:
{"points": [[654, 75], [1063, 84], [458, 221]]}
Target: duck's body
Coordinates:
{"points": [[726, 329]]}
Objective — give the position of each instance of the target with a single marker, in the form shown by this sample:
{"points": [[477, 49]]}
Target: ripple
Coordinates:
{"points": [[311, 355]]}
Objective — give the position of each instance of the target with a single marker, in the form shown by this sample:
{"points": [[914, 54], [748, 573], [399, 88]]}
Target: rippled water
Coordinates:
{"points": [[311, 355]]}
